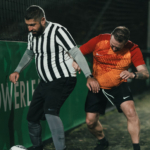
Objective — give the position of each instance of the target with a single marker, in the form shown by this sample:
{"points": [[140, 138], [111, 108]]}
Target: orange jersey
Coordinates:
{"points": [[107, 64]]}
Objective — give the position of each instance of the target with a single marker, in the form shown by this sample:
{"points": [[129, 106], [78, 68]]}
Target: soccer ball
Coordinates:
{"points": [[18, 147]]}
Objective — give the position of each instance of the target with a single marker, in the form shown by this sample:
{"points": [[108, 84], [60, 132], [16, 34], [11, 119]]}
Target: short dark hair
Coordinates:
{"points": [[121, 34], [34, 12]]}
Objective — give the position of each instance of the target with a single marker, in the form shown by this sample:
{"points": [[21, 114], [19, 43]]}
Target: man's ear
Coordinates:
{"points": [[43, 20]]}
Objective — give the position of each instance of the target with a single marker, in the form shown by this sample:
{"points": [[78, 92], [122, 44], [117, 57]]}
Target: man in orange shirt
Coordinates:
{"points": [[112, 56]]}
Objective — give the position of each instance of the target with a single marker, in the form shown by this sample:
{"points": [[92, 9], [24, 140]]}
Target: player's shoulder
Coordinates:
{"points": [[57, 25], [131, 46]]}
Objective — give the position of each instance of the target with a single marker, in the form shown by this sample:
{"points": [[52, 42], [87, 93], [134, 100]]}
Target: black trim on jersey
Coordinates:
{"points": [[62, 40], [57, 59], [65, 63], [36, 49], [30, 40], [73, 42], [31, 48], [42, 61], [49, 54]]}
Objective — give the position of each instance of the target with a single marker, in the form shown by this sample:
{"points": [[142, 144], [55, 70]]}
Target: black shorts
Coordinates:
{"points": [[96, 102], [49, 97]]}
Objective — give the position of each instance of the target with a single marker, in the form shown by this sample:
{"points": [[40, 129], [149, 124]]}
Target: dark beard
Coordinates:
{"points": [[39, 32]]}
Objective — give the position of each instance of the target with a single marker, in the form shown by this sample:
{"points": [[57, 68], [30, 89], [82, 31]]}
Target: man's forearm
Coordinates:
{"points": [[25, 60], [142, 74], [81, 61]]}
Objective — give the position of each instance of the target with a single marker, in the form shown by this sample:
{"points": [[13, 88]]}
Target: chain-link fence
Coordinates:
{"points": [[83, 18]]}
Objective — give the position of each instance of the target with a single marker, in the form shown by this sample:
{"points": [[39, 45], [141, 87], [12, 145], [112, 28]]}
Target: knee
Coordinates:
{"points": [[131, 114], [91, 123]]}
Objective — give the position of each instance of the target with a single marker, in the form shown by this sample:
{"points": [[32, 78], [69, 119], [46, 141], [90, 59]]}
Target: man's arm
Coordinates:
{"points": [[142, 73], [81, 61], [64, 39], [92, 84], [138, 62], [24, 62]]}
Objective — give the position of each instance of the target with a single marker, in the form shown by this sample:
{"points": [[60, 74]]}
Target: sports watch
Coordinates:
{"points": [[135, 75]]}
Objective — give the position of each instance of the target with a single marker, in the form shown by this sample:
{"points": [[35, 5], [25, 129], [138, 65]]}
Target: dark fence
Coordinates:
{"points": [[83, 18]]}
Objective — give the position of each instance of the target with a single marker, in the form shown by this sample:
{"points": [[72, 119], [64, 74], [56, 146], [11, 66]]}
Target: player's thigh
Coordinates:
{"points": [[58, 93], [120, 94], [128, 109], [67, 89], [95, 102]]}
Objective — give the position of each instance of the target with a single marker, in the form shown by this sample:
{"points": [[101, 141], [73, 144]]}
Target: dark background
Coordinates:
{"points": [[83, 18]]}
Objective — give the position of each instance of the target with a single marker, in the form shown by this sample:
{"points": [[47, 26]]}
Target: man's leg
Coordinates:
{"points": [[57, 130], [35, 131], [128, 109], [57, 93], [34, 115], [95, 127]]}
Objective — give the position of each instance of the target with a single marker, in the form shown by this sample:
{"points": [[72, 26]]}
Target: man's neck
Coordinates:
{"points": [[46, 24]]}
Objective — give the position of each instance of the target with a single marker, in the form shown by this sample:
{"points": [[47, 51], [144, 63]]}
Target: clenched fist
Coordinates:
{"points": [[127, 75], [14, 77]]}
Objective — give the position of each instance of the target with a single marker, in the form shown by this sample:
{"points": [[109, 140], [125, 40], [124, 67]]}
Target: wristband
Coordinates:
{"points": [[135, 75]]}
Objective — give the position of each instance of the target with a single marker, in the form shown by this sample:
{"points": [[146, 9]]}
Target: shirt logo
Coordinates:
{"points": [[98, 54], [126, 97]]}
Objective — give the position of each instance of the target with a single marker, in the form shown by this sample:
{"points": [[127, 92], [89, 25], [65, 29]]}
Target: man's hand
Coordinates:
{"points": [[93, 85], [127, 75], [14, 77], [76, 67]]}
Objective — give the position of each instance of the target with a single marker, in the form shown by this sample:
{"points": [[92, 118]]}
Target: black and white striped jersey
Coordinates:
{"points": [[51, 51]]}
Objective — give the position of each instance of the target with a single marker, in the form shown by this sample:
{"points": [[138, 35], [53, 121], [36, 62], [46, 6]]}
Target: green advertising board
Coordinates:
{"points": [[15, 99]]}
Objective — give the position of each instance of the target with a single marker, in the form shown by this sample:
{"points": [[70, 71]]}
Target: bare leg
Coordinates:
{"points": [[94, 126], [132, 120]]}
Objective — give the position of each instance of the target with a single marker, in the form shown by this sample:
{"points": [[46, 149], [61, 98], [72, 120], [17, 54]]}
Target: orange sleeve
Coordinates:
{"points": [[90, 45], [136, 54]]}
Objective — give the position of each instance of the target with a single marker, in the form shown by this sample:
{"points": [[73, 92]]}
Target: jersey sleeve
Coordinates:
{"points": [[64, 39], [136, 55], [90, 45]]}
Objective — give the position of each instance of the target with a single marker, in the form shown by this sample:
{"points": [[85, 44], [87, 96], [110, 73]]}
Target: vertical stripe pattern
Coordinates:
{"points": [[51, 52]]}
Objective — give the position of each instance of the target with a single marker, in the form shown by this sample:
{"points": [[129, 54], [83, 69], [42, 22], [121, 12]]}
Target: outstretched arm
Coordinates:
{"points": [[81, 61], [142, 72], [92, 83], [64, 39], [24, 62]]}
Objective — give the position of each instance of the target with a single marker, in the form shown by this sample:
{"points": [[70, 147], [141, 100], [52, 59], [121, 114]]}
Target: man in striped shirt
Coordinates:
{"points": [[54, 50]]}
